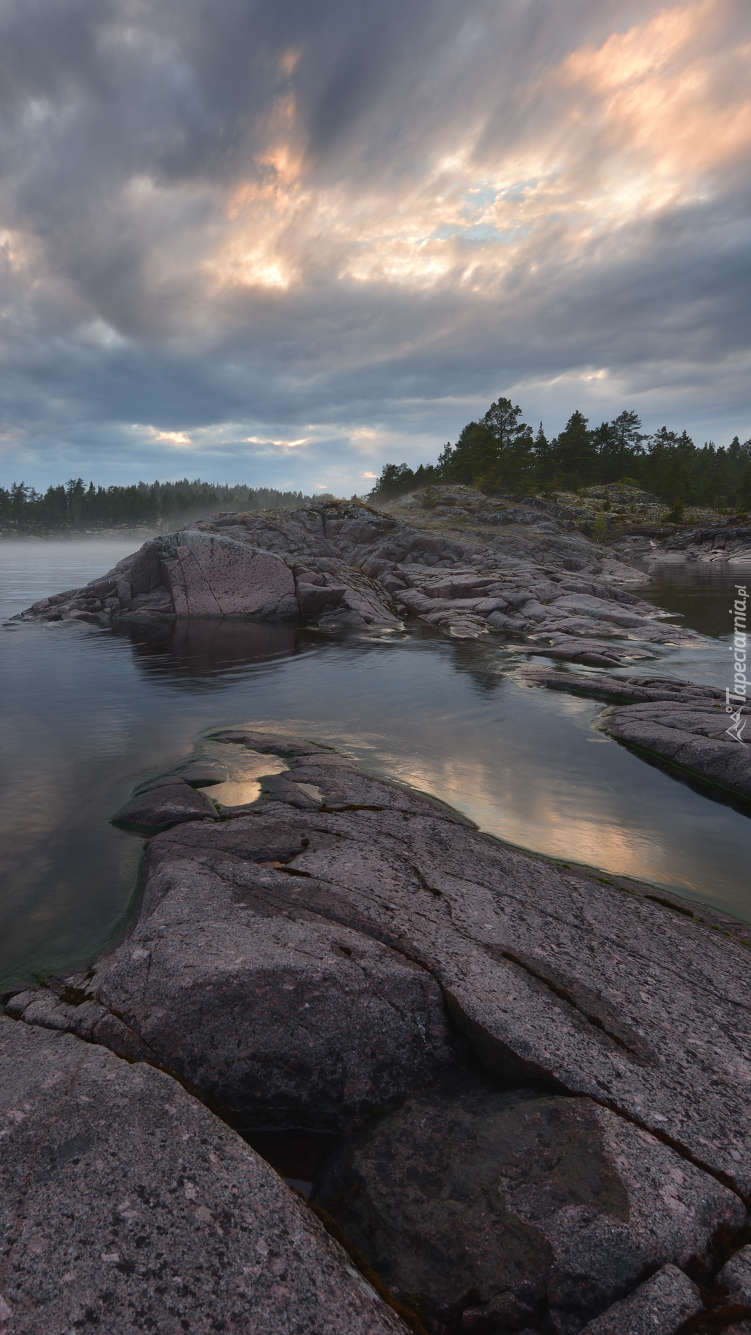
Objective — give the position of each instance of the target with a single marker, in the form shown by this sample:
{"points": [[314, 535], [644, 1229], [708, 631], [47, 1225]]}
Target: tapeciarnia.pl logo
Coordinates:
{"points": [[738, 650]]}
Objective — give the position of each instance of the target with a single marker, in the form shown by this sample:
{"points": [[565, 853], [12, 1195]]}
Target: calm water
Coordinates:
{"points": [[88, 712]]}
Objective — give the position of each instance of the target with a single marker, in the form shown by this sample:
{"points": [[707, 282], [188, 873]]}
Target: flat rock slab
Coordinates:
{"points": [[126, 1205], [628, 690], [516, 1208], [595, 653], [659, 1307], [692, 737], [303, 959]]}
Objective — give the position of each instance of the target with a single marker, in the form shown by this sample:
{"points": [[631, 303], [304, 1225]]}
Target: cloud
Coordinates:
{"points": [[334, 233]]}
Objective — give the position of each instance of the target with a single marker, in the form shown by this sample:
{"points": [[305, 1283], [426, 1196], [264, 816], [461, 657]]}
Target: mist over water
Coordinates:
{"points": [[88, 712]]}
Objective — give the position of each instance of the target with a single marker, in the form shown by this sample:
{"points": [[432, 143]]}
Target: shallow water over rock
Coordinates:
{"points": [[90, 713]]}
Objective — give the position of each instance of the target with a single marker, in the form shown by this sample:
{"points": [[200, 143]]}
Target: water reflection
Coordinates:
{"points": [[699, 592], [201, 652], [90, 712]]}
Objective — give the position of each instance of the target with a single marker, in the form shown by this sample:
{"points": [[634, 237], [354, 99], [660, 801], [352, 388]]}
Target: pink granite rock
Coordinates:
{"points": [[661, 1305], [210, 575], [126, 1205]]}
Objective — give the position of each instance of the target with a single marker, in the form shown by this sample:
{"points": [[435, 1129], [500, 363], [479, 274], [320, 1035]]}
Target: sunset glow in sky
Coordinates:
{"points": [[282, 242]]}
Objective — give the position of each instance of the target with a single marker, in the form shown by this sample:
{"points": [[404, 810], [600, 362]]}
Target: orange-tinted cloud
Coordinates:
{"points": [[375, 218]]}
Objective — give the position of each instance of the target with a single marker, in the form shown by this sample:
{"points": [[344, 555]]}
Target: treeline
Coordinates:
{"points": [[75, 507], [500, 454]]}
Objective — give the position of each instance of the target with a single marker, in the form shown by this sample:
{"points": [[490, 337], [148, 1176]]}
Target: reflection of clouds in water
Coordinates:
{"points": [[86, 719], [611, 819], [236, 794], [243, 767]]}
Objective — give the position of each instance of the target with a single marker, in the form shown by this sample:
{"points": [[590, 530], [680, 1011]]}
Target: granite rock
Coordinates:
{"points": [[209, 574], [550, 975], [736, 1275], [278, 1013], [727, 542], [167, 802], [339, 564], [593, 652], [516, 1208], [658, 1307], [626, 690], [126, 1205]]}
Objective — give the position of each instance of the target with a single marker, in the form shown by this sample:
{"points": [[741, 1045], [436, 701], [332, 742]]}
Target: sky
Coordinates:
{"points": [[283, 242]]}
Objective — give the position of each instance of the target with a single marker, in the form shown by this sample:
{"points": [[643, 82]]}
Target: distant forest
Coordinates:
{"points": [[502, 455], [76, 507]]}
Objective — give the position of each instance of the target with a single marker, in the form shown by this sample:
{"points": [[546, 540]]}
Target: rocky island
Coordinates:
{"points": [[468, 569], [463, 564]]}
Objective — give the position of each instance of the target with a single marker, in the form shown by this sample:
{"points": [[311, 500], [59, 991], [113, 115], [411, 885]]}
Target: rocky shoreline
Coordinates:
{"points": [[340, 564], [533, 1080], [355, 1066], [688, 729]]}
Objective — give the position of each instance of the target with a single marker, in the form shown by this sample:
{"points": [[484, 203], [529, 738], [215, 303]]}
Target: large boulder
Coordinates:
{"points": [[209, 574], [517, 1208], [126, 1205]]}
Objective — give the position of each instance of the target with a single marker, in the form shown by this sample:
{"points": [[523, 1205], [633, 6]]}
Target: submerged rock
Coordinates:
{"points": [[127, 1205]]}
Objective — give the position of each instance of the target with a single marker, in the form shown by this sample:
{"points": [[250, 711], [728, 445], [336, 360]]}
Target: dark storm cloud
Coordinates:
{"points": [[229, 224]]}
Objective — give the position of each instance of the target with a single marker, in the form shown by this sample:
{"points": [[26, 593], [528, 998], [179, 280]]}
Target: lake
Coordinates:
{"points": [[88, 712]]}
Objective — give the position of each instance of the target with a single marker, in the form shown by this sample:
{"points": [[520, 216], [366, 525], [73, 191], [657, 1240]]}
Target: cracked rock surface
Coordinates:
{"points": [[566, 1059], [661, 1305], [344, 564], [126, 1205], [560, 1206]]}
